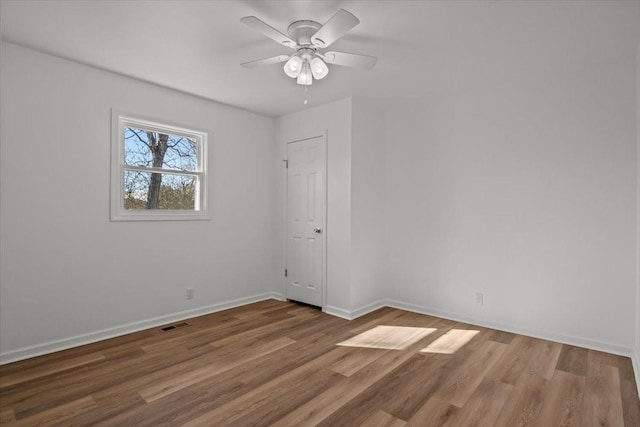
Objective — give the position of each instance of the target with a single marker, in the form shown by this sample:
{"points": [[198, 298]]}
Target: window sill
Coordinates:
{"points": [[161, 216]]}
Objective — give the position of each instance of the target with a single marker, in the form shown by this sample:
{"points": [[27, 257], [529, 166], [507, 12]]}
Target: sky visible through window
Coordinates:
{"points": [[181, 152]]}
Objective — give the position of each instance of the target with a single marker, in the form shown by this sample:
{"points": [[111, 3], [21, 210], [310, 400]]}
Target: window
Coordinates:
{"points": [[158, 171]]}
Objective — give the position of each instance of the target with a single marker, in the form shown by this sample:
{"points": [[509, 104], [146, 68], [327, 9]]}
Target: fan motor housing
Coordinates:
{"points": [[301, 31]]}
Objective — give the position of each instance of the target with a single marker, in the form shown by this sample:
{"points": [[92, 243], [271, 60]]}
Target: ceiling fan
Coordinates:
{"points": [[308, 38]]}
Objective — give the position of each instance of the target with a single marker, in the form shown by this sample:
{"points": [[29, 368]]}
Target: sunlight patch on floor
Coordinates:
{"points": [[450, 342], [388, 337]]}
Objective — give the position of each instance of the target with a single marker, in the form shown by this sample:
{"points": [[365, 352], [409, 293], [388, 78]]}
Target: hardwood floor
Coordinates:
{"points": [[282, 364]]}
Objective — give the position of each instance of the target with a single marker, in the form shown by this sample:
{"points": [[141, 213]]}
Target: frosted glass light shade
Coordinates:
{"points": [[318, 68], [293, 67], [305, 77]]}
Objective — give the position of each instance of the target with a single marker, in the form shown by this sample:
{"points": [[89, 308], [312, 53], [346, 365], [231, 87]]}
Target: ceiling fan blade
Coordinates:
{"points": [[268, 31], [337, 26], [350, 59], [265, 61]]}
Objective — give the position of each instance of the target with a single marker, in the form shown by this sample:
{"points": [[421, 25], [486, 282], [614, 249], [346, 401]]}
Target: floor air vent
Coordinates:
{"points": [[172, 327]]}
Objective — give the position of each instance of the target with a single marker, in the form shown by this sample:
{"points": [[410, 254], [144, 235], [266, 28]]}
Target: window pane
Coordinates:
{"points": [[160, 150], [144, 190]]}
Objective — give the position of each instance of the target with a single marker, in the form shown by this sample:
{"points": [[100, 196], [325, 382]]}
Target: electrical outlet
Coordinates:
{"points": [[479, 298], [189, 293]]}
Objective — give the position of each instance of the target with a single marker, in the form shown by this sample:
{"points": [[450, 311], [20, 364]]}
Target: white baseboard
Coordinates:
{"points": [[353, 314], [276, 295], [635, 360], [368, 308], [338, 312], [78, 340], [545, 335]]}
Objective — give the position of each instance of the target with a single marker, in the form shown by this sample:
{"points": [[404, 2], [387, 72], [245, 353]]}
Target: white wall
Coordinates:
{"points": [[367, 205], [524, 192], [66, 270], [636, 354], [335, 119]]}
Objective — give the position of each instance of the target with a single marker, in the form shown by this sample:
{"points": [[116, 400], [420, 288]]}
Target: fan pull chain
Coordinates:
{"points": [[306, 91]]}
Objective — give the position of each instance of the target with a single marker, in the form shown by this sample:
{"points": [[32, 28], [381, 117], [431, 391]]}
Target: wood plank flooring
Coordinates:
{"points": [[282, 364]]}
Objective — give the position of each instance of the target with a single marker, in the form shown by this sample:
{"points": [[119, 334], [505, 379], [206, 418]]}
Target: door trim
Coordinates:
{"points": [[321, 134]]}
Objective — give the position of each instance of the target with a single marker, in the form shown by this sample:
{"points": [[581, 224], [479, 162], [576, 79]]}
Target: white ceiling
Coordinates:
{"points": [[424, 48]]}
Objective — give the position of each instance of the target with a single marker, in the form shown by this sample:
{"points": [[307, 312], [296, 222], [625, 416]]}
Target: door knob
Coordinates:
{"points": [[317, 230]]}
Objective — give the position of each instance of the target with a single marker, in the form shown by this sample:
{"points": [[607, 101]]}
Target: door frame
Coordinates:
{"points": [[321, 134]]}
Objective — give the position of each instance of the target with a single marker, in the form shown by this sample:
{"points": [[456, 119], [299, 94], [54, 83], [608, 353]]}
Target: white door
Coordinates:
{"points": [[306, 217]]}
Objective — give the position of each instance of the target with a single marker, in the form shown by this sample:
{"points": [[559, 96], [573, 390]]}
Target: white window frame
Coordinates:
{"points": [[120, 121]]}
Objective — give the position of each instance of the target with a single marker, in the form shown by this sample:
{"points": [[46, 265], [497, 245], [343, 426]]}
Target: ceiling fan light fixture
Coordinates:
{"points": [[293, 67], [310, 39], [305, 77], [318, 68]]}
